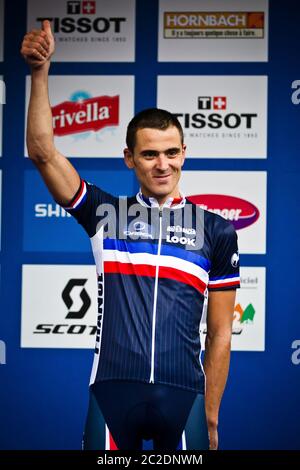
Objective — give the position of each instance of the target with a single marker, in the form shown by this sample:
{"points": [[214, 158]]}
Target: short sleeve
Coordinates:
{"points": [[224, 272], [83, 207]]}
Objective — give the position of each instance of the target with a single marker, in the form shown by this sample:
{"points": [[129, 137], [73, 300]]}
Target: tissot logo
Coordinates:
{"points": [[215, 120], [212, 102], [83, 24], [85, 7]]}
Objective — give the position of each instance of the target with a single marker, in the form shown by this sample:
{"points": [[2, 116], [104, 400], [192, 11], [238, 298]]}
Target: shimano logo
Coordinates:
{"points": [[50, 210]]}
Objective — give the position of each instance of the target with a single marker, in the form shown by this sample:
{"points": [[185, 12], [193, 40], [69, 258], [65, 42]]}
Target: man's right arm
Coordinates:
{"points": [[58, 173]]}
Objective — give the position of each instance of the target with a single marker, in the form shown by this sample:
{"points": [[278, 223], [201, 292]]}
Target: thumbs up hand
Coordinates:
{"points": [[38, 46]]}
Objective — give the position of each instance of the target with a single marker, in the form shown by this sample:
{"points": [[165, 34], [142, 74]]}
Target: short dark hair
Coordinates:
{"points": [[154, 118]]}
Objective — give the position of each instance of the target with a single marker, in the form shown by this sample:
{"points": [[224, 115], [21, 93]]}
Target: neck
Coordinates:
{"points": [[161, 199]]}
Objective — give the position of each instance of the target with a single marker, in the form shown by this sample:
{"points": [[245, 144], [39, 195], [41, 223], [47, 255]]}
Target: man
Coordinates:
{"points": [[156, 262]]}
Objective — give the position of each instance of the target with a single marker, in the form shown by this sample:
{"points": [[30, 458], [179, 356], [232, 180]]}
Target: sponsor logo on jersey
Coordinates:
{"points": [[83, 24], [100, 312], [181, 240], [240, 212], [214, 115], [84, 113], [178, 228], [138, 229], [214, 25], [235, 260]]}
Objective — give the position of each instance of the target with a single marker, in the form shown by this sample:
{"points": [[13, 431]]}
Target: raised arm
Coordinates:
{"points": [[217, 355], [58, 173]]}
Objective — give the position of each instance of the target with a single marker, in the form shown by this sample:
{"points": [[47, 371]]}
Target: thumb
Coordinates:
{"points": [[47, 28]]}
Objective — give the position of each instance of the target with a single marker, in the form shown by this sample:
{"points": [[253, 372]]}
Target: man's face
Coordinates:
{"points": [[157, 160]]}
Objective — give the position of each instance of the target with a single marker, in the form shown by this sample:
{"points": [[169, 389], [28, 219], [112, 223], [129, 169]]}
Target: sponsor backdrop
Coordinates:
{"points": [[227, 120], [224, 67]]}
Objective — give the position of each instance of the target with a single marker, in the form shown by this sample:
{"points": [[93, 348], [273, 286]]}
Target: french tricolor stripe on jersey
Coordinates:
{"points": [[150, 260], [148, 270], [233, 280], [152, 248], [79, 197]]}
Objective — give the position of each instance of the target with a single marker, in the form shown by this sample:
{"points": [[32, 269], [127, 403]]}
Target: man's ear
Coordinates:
{"points": [[128, 157], [183, 154]]}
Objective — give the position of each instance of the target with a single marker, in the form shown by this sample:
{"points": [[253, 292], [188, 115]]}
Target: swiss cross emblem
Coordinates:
{"points": [[89, 7], [219, 102]]}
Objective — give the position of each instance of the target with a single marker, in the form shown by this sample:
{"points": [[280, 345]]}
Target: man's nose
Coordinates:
{"points": [[162, 163]]}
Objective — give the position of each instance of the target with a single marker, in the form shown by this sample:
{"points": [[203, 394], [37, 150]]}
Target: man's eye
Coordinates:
{"points": [[149, 155], [172, 153]]}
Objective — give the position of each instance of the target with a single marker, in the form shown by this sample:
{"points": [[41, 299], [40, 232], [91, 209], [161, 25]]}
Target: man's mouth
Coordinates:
{"points": [[162, 177]]}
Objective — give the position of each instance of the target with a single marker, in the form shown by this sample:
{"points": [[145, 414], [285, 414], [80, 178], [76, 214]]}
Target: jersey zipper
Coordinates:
{"points": [[155, 298]]}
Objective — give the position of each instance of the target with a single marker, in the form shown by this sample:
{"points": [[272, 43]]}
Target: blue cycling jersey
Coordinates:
{"points": [[155, 268]]}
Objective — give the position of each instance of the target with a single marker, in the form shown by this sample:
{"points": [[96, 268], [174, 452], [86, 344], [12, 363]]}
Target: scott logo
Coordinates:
{"points": [[70, 328], [240, 212], [66, 296]]}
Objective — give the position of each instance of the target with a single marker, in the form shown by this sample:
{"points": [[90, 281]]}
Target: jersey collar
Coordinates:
{"points": [[171, 202]]}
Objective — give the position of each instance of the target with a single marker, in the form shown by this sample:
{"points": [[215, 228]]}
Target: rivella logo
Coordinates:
{"points": [[240, 212], [84, 113], [214, 25]]}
